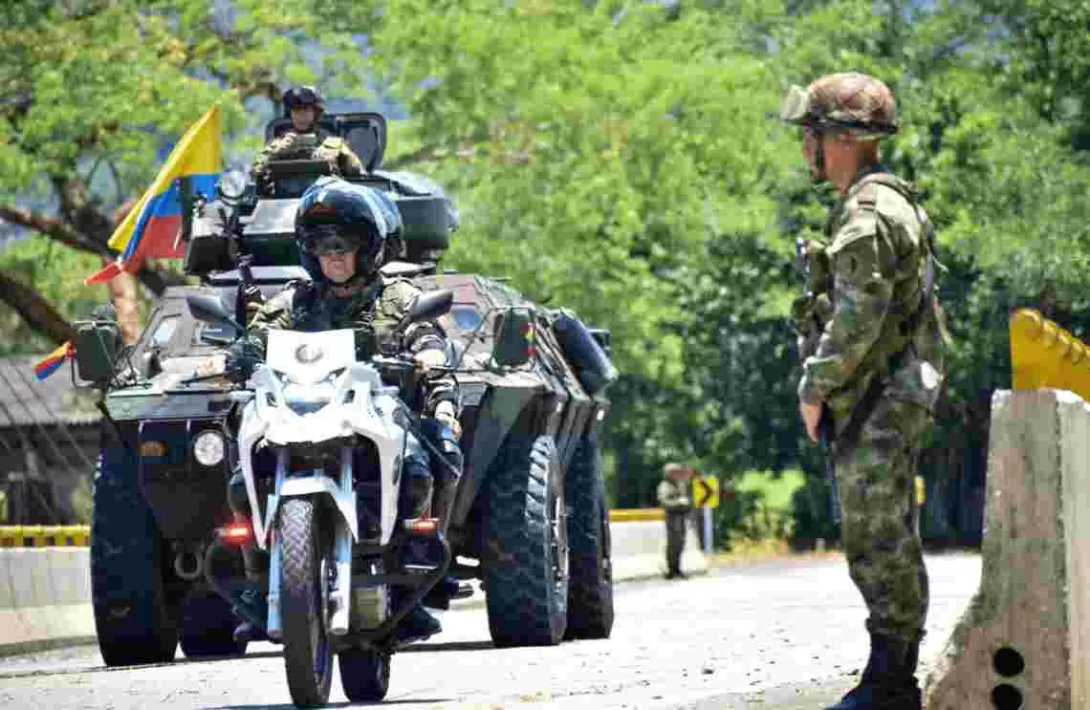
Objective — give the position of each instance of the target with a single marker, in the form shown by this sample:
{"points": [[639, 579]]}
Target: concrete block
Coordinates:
{"points": [[1023, 642], [7, 593], [639, 550], [26, 581], [71, 575]]}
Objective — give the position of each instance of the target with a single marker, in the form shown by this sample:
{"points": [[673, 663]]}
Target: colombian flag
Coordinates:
{"points": [[54, 360], [151, 229]]}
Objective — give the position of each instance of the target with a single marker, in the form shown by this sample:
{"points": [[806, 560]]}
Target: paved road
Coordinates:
{"points": [[778, 635]]}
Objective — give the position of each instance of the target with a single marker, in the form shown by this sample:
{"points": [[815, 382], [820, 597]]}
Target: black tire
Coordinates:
{"points": [[590, 588], [526, 575], [365, 674], [208, 628], [308, 657], [134, 619]]}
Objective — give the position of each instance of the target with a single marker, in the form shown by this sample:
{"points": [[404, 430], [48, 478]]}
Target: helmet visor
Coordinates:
{"points": [[795, 105], [330, 239]]}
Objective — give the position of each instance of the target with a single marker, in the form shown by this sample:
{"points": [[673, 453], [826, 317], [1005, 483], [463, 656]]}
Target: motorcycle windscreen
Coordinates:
{"points": [[308, 358]]}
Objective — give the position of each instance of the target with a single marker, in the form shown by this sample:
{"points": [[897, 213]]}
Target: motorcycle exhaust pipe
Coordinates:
{"points": [[188, 565]]}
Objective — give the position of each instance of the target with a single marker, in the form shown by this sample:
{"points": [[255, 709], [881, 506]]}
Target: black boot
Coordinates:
{"points": [[889, 680], [417, 625]]}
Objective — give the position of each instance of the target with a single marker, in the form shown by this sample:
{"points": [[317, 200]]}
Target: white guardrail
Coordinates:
{"points": [[45, 587]]}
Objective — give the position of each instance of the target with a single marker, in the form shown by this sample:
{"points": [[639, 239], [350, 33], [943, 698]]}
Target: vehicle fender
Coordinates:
{"points": [[316, 485]]}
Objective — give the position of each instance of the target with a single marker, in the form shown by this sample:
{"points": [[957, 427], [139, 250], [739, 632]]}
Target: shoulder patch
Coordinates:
{"points": [[867, 197]]}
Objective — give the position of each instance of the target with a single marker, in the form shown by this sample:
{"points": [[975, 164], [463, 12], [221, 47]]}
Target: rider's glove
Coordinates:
{"points": [[241, 358], [444, 412]]}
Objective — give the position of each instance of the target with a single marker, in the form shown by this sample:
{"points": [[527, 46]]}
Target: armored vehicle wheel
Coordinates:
{"points": [[208, 628], [526, 575], [304, 588], [590, 589], [133, 616], [365, 674]]}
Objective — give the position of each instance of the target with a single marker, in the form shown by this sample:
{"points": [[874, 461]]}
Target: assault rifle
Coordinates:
{"points": [[808, 327]]}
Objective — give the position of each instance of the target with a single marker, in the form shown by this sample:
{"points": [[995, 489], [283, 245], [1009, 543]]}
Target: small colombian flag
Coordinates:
{"points": [[151, 229], [54, 360]]}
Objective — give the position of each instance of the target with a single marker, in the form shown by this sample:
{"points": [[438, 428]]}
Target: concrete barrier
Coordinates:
{"points": [[1024, 643], [45, 592]]}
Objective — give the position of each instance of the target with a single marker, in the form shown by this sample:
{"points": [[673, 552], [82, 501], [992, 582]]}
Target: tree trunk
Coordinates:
{"points": [[35, 310]]}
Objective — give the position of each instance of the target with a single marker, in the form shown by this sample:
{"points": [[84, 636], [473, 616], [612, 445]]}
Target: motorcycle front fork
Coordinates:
{"points": [[339, 589]]}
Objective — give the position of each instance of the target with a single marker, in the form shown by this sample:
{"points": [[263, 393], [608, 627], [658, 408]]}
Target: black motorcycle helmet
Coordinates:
{"points": [[338, 214], [302, 96]]}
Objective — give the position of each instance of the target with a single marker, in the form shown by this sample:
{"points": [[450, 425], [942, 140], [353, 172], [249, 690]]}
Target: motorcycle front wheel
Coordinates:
{"points": [[305, 562]]}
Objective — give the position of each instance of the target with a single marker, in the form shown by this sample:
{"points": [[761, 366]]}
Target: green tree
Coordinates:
{"points": [[95, 89]]}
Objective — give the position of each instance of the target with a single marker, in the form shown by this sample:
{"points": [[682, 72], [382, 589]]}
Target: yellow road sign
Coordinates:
{"points": [[706, 492]]}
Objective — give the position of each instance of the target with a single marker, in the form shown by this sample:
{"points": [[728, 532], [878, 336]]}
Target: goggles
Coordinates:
{"points": [[328, 240], [795, 106]]}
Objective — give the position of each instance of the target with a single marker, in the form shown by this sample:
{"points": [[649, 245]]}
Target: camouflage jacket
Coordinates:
{"points": [[318, 145], [373, 314], [878, 253], [673, 494]]}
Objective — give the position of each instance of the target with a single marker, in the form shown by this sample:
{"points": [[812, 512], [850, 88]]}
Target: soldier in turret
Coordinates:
{"points": [[305, 140]]}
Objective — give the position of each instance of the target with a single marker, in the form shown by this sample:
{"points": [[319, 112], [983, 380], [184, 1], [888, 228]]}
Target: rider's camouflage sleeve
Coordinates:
{"points": [[394, 303], [374, 318], [861, 298]]}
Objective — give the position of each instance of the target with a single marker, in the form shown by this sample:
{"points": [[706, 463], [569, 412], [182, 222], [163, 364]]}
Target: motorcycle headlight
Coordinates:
{"points": [[209, 448]]}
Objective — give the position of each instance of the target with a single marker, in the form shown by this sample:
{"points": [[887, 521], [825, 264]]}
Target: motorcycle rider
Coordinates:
{"points": [[341, 232], [304, 107]]}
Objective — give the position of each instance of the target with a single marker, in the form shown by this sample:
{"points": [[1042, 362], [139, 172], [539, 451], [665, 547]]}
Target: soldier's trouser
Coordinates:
{"points": [[878, 500], [675, 538]]}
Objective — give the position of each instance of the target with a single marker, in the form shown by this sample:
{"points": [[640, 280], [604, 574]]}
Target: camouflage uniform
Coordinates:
{"points": [[317, 145], [877, 255], [673, 496], [373, 313], [877, 367]]}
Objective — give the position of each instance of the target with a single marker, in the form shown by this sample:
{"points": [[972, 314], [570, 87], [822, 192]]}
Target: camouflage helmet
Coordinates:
{"points": [[302, 96], [338, 214], [843, 102]]}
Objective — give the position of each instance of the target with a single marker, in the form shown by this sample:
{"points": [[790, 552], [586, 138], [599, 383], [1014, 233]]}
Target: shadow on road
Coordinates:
{"points": [[382, 703], [449, 646]]}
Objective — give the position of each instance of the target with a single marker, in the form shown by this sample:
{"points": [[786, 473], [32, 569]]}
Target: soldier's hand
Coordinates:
{"points": [[811, 417], [444, 412], [425, 360], [214, 365]]}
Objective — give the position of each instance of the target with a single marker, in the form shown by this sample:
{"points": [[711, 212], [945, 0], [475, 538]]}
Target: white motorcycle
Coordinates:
{"points": [[321, 444]]}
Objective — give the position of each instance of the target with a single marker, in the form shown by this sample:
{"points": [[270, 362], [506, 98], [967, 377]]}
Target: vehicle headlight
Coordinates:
{"points": [[209, 448]]}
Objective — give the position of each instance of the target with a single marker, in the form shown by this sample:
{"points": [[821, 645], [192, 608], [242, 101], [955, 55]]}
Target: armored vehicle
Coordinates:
{"points": [[530, 519]]}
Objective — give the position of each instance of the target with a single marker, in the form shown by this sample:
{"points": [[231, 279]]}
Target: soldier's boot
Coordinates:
{"points": [[889, 679], [417, 625], [254, 565]]}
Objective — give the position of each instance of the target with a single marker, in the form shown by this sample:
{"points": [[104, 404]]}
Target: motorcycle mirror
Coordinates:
{"points": [[428, 306], [211, 310]]}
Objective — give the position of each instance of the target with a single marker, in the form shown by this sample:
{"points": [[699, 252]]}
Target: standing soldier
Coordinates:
{"points": [[876, 368], [673, 495]]}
